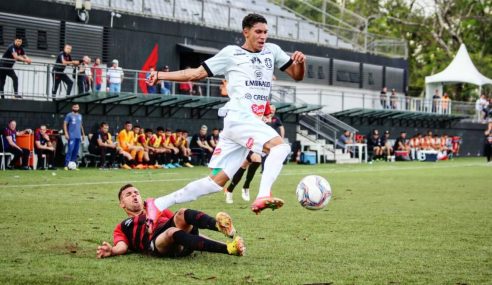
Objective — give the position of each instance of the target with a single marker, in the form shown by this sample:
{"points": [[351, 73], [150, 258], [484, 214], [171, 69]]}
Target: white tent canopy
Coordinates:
{"points": [[460, 70]]}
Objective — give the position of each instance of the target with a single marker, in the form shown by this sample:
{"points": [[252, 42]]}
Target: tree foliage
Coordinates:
{"points": [[433, 35]]}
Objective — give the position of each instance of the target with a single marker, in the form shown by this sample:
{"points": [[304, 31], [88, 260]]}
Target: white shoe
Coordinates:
{"points": [[245, 194], [228, 197]]}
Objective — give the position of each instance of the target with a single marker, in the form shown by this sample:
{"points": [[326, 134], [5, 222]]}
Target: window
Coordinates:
{"points": [[370, 78], [310, 71], [347, 76], [42, 40], [21, 33], [321, 72]]}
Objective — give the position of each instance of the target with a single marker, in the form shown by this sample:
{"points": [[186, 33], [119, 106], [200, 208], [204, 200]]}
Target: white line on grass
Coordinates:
{"points": [[389, 168], [94, 183]]}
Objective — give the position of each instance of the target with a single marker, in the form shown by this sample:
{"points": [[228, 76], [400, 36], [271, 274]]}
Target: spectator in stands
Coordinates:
{"points": [[488, 143], [74, 133], [14, 53], [435, 101], [374, 145], [386, 147], [344, 139], [213, 138], [199, 145], [480, 107], [151, 89], [185, 88], [45, 150], [166, 86], [102, 144], [196, 89], [115, 77], [10, 145], [445, 103], [97, 73], [62, 60], [84, 75], [394, 99], [383, 97]]}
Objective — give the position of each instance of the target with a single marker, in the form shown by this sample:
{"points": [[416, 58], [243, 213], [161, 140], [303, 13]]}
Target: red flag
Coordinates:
{"points": [[150, 62]]}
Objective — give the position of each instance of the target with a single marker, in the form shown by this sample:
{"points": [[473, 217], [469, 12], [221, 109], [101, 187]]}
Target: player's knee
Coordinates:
{"points": [[170, 232]]}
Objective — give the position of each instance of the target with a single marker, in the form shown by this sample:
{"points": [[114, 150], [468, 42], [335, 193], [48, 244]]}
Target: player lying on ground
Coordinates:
{"points": [[150, 231], [248, 70]]}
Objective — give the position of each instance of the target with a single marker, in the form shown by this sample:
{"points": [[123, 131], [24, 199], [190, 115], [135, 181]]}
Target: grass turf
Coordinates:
{"points": [[388, 223]]}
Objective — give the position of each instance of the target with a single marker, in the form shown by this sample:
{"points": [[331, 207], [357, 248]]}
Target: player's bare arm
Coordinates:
{"points": [[190, 74], [298, 66], [106, 250]]}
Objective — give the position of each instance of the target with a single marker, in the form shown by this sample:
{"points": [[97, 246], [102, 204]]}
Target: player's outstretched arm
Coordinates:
{"points": [[189, 74], [297, 68], [106, 250]]}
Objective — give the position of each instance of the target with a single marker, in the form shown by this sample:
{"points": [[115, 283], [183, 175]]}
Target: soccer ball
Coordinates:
{"points": [[313, 192], [72, 165]]}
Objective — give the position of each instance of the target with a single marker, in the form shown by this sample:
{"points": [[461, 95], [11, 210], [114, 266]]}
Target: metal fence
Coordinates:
{"points": [[36, 82]]}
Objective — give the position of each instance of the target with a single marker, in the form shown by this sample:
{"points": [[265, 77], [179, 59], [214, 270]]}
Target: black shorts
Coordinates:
{"points": [[176, 249]]}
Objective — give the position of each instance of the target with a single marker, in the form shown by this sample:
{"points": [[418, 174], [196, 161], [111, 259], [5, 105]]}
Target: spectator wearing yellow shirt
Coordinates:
{"points": [[126, 140]]}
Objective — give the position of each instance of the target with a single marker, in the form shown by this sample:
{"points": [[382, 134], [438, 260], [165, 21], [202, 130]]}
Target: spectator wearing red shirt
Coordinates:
{"points": [[97, 74], [164, 234], [44, 147], [10, 145]]}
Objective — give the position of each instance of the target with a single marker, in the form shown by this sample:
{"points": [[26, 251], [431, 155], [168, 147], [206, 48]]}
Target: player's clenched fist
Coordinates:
{"points": [[298, 57]]}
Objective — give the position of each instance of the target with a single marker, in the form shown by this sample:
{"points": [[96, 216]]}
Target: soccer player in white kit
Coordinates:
{"points": [[248, 70]]}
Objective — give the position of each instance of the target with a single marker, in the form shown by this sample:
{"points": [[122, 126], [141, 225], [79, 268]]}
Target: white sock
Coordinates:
{"points": [[189, 193], [273, 165]]}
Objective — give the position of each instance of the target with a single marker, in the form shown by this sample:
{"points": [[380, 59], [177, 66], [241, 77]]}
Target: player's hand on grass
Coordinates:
{"points": [[152, 79], [104, 250]]}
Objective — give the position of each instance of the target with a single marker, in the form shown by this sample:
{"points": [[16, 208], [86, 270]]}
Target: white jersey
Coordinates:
{"points": [[248, 74]]}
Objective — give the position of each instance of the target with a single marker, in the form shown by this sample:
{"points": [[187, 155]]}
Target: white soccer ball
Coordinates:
{"points": [[313, 192], [72, 165]]}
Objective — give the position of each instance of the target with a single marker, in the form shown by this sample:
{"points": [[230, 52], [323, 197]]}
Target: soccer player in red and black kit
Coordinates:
{"points": [[14, 52], [149, 231]]}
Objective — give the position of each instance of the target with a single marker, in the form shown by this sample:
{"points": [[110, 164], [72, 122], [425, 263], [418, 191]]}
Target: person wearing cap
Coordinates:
{"points": [[114, 77], [165, 85], [386, 147]]}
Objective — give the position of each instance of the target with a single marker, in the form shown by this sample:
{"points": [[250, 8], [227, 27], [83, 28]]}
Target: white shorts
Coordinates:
{"points": [[242, 133]]}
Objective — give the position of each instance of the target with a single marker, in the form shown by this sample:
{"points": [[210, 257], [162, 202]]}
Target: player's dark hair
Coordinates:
{"points": [[123, 188], [127, 122], [148, 130], [160, 129], [102, 124], [251, 19], [137, 126]]}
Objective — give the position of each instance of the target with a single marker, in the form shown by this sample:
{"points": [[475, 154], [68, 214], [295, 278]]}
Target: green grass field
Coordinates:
{"points": [[388, 223]]}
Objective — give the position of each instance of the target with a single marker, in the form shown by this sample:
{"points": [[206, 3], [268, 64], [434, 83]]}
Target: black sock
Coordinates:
{"points": [[251, 173], [196, 242], [235, 179], [200, 220]]}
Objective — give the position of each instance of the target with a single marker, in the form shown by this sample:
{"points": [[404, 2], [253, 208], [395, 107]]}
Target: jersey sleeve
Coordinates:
{"points": [[282, 59], [67, 118], [217, 64], [118, 235]]}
